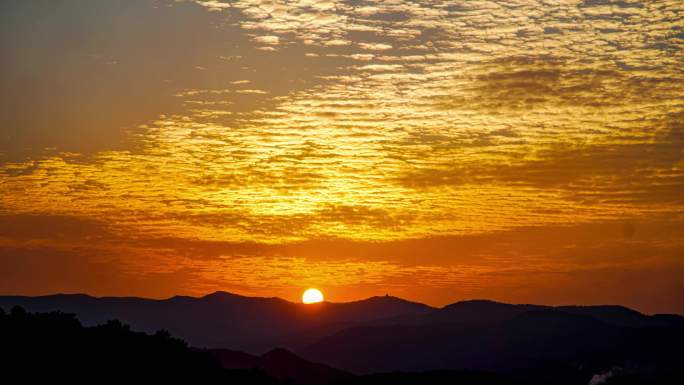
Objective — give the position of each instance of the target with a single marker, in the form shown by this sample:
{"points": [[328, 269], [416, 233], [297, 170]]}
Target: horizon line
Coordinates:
{"points": [[82, 294]]}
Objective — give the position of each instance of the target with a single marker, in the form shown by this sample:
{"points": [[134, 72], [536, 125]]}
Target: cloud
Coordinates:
{"points": [[322, 131], [442, 126], [269, 39], [543, 264], [647, 171], [375, 46], [214, 5], [26, 228]]}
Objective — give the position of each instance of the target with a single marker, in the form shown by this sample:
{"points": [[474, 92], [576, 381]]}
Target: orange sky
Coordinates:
{"points": [[522, 151]]}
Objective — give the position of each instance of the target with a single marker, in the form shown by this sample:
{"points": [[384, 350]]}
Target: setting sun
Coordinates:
{"points": [[312, 296]]}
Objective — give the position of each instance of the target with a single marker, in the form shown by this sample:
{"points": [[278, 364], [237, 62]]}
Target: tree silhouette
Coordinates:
{"points": [[56, 347]]}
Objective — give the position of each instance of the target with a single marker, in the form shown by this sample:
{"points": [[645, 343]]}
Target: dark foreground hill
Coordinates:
{"points": [[282, 364], [56, 348]]}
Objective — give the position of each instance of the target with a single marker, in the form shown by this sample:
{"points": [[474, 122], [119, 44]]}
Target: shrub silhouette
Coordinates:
{"points": [[55, 346]]}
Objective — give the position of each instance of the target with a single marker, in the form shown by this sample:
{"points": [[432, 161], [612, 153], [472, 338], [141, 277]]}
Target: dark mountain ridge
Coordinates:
{"points": [[221, 319], [281, 364], [258, 324], [529, 343], [481, 311], [539, 346]]}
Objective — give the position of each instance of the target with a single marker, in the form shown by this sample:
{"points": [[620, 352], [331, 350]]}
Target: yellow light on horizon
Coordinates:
{"points": [[312, 296]]}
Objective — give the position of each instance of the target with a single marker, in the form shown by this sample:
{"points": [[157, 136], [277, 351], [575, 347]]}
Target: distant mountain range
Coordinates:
{"points": [[536, 344], [219, 320]]}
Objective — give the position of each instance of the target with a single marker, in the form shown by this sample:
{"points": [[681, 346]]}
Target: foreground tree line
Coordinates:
{"points": [[40, 346]]}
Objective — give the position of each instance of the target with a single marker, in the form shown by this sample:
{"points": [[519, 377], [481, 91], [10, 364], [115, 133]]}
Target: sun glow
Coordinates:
{"points": [[312, 296]]}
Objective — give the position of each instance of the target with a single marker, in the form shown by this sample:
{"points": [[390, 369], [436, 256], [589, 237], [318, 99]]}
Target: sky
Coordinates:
{"points": [[527, 151]]}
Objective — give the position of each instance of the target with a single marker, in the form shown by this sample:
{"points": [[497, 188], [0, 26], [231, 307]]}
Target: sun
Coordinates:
{"points": [[312, 296]]}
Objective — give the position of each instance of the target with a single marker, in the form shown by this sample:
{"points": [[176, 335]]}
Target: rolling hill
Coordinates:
{"points": [[333, 341]]}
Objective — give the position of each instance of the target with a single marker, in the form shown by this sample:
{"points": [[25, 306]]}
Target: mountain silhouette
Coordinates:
{"points": [[353, 342], [221, 319], [539, 346], [485, 311], [283, 365], [55, 347]]}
